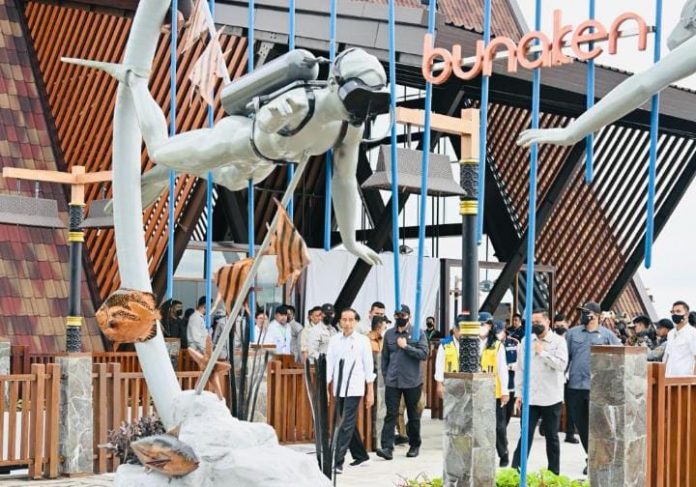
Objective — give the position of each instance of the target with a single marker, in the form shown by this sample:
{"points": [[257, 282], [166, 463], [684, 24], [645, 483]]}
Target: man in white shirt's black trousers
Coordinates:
{"points": [[353, 350]]}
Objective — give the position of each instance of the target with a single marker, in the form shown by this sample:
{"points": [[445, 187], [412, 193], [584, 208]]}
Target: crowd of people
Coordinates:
{"points": [[560, 366]]}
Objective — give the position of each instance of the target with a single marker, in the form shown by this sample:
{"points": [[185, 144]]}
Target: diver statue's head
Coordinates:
{"points": [[686, 28]]}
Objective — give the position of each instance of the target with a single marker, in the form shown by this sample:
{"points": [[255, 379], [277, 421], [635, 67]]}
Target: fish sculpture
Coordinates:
{"points": [[166, 454], [128, 316]]}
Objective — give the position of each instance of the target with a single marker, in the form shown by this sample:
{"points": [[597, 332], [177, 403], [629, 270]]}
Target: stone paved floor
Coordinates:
{"points": [[379, 472]]}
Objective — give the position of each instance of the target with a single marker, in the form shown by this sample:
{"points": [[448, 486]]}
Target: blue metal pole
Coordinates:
{"points": [[172, 132], [329, 155], [654, 134], [589, 140], [393, 152], [291, 46], [483, 135], [209, 222], [250, 186], [531, 236], [423, 208]]}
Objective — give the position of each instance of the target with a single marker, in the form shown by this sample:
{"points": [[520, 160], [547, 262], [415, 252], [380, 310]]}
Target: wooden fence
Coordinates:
{"points": [[671, 440], [29, 420], [432, 401], [289, 411], [119, 397]]}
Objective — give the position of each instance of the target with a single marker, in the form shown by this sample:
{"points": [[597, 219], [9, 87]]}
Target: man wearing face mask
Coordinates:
{"points": [[580, 340], [548, 363], [322, 332], [680, 351], [431, 332], [402, 359]]}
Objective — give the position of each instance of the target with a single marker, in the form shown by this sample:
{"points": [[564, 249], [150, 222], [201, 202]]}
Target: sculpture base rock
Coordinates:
{"points": [[231, 452]]}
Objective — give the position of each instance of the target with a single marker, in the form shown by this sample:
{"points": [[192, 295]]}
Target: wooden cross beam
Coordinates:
{"points": [[466, 126], [77, 178]]}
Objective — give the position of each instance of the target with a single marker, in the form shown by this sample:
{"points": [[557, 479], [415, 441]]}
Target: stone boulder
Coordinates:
{"points": [[231, 452]]}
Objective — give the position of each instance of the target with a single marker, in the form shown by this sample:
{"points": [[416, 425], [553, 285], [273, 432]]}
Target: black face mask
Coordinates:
{"points": [[401, 322], [676, 319], [327, 319], [179, 313], [538, 329], [560, 330], [585, 319]]}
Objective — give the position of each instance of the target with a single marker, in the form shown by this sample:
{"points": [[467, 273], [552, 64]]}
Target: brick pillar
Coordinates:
{"points": [[618, 408], [469, 433], [76, 414]]}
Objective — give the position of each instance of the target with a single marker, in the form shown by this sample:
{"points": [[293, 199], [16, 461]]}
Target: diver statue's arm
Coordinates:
{"points": [[346, 195], [632, 93]]}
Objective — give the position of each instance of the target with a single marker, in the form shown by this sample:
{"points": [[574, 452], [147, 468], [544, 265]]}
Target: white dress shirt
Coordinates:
{"points": [[440, 362], [356, 352], [281, 337], [196, 332], [547, 374], [680, 351]]}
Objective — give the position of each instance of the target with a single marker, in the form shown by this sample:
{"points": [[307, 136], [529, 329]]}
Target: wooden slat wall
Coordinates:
{"points": [[82, 103]]}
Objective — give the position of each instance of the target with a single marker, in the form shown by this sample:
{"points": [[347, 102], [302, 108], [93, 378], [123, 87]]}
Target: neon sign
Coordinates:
{"points": [[550, 51]]}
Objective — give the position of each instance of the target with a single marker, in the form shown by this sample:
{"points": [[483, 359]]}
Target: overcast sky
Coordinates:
{"points": [[670, 278]]}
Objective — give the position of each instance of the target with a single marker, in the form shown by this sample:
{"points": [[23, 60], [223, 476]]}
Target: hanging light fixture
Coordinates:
{"points": [[98, 216], [16, 209]]}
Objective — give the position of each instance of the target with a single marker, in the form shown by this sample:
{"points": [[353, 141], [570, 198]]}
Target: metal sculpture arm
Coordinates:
{"points": [[622, 100], [345, 196]]}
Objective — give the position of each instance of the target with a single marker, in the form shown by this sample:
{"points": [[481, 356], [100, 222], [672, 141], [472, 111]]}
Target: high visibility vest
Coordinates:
{"points": [[451, 357], [489, 363]]}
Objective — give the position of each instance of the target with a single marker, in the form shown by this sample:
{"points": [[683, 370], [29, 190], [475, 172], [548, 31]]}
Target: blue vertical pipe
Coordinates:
{"points": [[250, 187], [209, 221], [531, 236], [654, 133], [425, 162], [329, 155], [394, 164], [483, 131], [589, 140], [291, 46], [172, 132]]}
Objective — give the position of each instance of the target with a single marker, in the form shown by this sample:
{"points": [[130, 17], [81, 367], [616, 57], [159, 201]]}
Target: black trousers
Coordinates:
{"points": [[579, 406], [551, 416], [392, 398], [501, 443], [348, 435], [509, 408], [569, 424]]}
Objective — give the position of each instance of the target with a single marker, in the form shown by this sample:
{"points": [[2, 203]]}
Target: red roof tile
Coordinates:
{"points": [[33, 261]]}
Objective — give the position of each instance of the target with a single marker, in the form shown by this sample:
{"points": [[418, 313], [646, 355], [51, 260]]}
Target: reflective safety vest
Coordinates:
{"points": [[451, 355], [489, 364]]}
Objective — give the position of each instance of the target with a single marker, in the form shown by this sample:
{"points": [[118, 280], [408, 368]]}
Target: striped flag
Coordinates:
{"points": [[208, 69], [197, 25], [291, 254]]}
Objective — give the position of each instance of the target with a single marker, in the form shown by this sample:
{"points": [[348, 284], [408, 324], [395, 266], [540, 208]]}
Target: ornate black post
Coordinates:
{"points": [[76, 237], [469, 326]]}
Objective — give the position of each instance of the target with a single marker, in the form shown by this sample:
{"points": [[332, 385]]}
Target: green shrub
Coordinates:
{"points": [[510, 477], [421, 480]]}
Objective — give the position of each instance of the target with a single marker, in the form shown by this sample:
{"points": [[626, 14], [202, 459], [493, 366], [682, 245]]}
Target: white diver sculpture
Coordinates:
{"points": [[632, 93]]}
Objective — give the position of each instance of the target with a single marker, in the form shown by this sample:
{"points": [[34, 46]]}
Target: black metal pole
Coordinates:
{"points": [[75, 237], [469, 325]]}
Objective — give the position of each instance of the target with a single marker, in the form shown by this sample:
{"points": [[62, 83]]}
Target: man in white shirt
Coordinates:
{"points": [[261, 336], [547, 379], [279, 332], [352, 351], [196, 332], [314, 319], [680, 351], [377, 309], [447, 359]]}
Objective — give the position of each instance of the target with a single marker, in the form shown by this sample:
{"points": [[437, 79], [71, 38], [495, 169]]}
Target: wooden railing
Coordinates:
{"points": [[432, 401], [671, 417], [119, 397], [29, 406], [289, 411]]}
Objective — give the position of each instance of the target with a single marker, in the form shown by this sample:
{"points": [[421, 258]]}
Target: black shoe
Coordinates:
{"points": [[571, 439], [584, 471], [338, 470], [360, 461], [386, 453], [400, 440], [504, 462], [413, 452]]}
